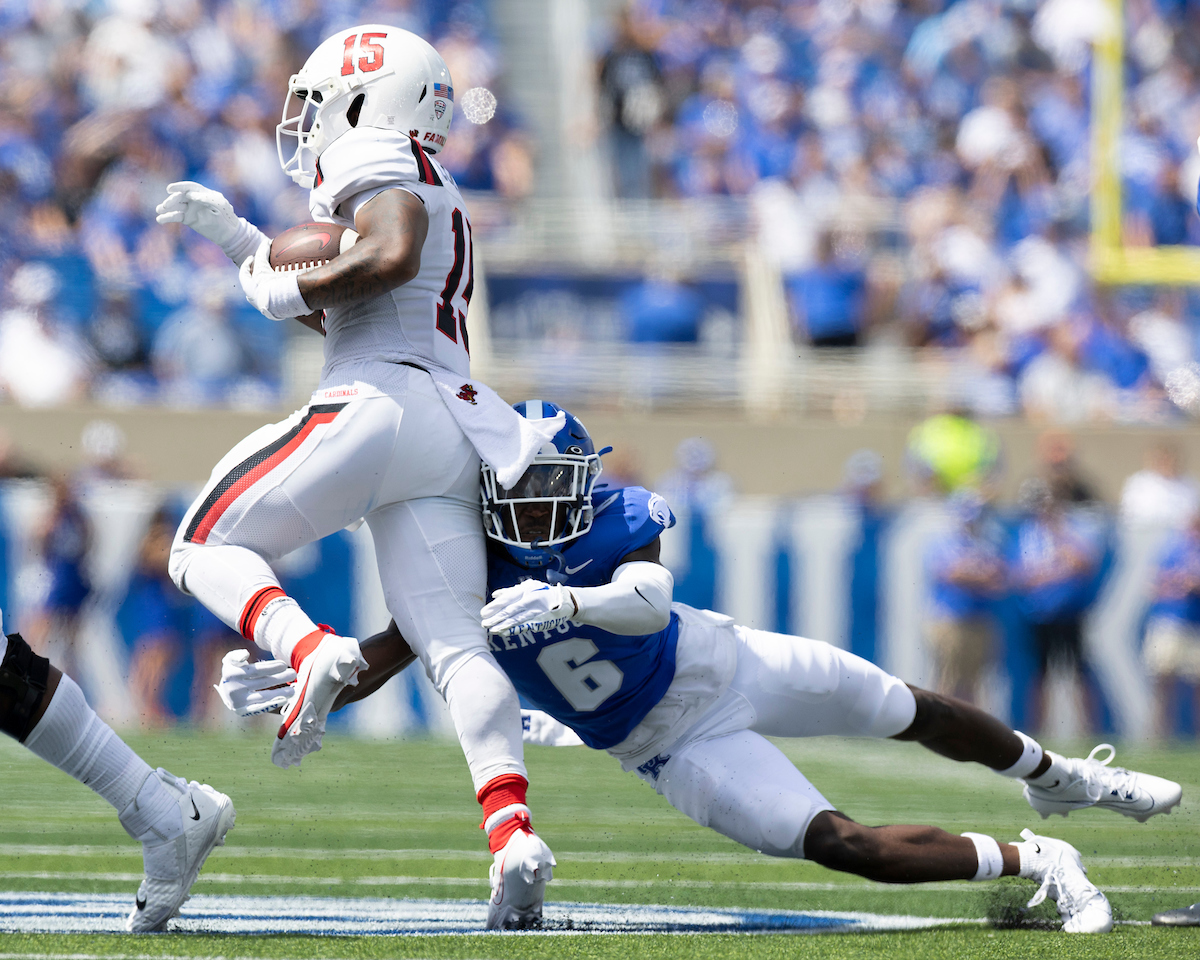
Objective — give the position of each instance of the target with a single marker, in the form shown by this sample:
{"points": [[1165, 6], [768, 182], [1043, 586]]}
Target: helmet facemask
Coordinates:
{"points": [[314, 115], [549, 506]]}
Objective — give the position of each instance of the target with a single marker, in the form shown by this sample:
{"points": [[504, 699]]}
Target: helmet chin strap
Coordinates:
{"points": [[554, 572]]}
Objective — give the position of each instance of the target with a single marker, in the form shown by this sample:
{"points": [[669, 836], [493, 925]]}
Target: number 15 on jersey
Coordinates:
{"points": [[452, 321]]}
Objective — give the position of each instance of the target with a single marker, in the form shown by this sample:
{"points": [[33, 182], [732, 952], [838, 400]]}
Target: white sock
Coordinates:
{"points": [[1054, 775], [281, 626], [71, 737], [1026, 851], [1031, 757], [991, 862], [487, 718]]}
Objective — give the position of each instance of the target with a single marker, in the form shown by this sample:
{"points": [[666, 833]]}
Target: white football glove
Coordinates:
{"points": [[531, 604], [275, 295], [208, 213], [249, 689]]}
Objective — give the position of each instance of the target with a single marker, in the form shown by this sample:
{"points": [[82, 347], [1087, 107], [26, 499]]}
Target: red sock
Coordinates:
{"points": [[504, 809], [308, 645]]}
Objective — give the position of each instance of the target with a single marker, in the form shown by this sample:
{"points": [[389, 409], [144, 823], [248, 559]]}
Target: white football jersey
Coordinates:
{"points": [[425, 320]]}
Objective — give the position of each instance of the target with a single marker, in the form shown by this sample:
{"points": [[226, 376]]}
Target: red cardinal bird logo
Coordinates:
{"points": [[468, 393]]}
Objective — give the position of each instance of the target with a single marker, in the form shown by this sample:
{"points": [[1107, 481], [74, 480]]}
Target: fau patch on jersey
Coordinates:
{"points": [[600, 684]]}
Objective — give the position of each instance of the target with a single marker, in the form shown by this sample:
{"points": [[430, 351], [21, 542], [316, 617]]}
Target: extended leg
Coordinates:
{"points": [[742, 786], [898, 854], [47, 712], [1053, 783], [432, 562], [963, 732]]}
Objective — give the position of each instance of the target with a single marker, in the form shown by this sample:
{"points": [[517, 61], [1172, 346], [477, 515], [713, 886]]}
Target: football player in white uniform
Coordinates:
{"points": [[178, 823], [394, 432]]}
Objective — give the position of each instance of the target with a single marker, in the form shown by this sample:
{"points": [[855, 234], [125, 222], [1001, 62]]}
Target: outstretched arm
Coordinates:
{"points": [[386, 653], [636, 601]]}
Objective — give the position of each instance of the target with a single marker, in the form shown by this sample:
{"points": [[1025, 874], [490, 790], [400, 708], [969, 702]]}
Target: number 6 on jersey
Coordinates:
{"points": [[585, 683]]}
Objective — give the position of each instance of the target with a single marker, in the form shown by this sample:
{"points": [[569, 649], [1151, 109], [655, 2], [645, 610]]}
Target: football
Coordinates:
{"points": [[310, 245]]}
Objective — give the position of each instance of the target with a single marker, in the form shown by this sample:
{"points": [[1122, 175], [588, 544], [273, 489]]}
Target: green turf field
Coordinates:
{"points": [[398, 819]]}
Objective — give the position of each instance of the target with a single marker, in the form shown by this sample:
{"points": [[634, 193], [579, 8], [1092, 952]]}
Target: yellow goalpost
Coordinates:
{"points": [[1111, 261]]}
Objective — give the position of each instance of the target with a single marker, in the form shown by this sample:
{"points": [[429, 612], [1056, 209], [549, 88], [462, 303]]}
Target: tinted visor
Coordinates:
{"points": [[542, 480]]}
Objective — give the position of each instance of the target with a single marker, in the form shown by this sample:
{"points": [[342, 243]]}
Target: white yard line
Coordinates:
{"points": [[578, 856], [267, 879]]}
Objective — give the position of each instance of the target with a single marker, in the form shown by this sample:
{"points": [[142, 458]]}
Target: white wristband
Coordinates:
{"points": [[283, 296], [991, 862]]}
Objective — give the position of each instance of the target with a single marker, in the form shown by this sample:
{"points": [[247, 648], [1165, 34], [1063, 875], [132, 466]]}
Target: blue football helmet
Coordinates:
{"points": [[551, 504]]}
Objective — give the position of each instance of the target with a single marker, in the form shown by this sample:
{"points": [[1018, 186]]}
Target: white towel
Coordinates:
{"points": [[504, 440]]}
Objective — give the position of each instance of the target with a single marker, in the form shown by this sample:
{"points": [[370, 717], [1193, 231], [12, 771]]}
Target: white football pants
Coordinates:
{"points": [[725, 774], [400, 460]]}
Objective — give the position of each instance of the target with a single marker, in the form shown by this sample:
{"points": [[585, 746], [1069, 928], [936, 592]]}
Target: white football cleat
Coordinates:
{"points": [[1057, 864], [519, 874], [173, 865], [1093, 783], [334, 663]]}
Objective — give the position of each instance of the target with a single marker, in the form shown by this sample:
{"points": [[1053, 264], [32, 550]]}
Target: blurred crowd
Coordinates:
{"points": [[1030, 576], [968, 118], [108, 101]]}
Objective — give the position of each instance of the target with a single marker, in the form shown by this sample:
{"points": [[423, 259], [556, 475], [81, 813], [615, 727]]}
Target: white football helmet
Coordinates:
{"points": [[371, 75]]}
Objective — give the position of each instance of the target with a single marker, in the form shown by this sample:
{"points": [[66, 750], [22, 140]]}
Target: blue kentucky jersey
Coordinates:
{"points": [[598, 683]]}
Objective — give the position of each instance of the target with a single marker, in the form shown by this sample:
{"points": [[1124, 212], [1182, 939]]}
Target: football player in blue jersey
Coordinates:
{"points": [[582, 620]]}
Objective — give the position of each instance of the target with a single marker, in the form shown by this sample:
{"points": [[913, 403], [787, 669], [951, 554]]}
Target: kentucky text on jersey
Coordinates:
{"points": [[598, 683]]}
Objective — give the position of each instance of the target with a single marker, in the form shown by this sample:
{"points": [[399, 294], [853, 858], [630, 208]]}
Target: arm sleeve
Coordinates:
{"points": [[637, 601], [244, 243]]}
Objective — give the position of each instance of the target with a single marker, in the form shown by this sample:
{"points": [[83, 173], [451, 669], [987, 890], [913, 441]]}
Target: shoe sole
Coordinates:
{"points": [[1062, 808], [513, 918], [223, 822]]}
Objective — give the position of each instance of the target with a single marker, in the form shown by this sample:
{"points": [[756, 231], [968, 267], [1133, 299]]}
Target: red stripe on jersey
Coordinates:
{"points": [[246, 474]]}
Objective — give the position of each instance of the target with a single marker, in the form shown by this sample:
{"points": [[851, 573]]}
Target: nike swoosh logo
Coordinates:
{"points": [[570, 570], [323, 238], [498, 896], [141, 904], [195, 811], [600, 509], [1037, 848], [295, 713]]}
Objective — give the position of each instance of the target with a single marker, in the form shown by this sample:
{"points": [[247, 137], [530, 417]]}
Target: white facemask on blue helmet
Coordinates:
{"points": [[551, 504]]}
